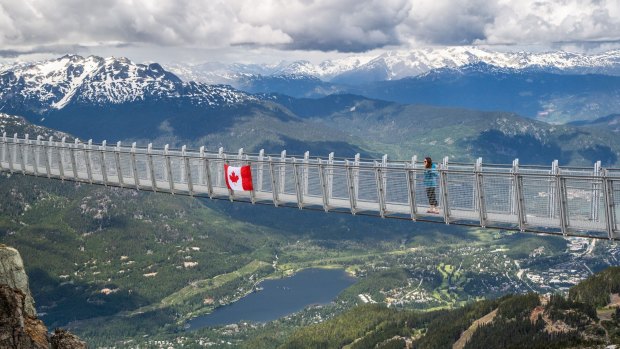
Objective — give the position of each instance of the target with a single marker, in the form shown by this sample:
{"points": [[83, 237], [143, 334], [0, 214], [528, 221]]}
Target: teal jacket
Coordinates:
{"points": [[430, 176]]}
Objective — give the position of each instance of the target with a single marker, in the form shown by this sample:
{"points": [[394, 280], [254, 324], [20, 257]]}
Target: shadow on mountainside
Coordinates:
{"points": [[60, 303], [496, 147]]}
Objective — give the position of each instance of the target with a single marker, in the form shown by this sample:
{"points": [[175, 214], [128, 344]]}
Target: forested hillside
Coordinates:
{"points": [[515, 321]]}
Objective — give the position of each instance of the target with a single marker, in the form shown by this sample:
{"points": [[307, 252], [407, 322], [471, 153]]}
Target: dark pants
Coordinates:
{"points": [[430, 194]]}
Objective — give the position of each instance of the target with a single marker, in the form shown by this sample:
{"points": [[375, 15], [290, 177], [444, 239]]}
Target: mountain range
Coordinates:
{"points": [[116, 99], [556, 87], [394, 65]]}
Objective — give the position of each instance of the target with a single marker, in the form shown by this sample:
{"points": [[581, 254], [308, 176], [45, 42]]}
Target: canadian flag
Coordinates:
{"points": [[238, 178]]}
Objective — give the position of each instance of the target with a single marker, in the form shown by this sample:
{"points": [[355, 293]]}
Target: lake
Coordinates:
{"points": [[279, 298]]}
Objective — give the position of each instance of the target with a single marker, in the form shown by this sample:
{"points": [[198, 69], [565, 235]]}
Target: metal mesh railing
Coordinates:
{"points": [[571, 201]]}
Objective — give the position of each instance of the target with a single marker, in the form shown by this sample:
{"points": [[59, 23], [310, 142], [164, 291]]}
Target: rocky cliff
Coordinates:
{"points": [[19, 326], [13, 275]]}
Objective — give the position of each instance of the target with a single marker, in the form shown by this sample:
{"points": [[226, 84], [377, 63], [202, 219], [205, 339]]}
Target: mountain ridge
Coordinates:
{"points": [[393, 65], [171, 111]]}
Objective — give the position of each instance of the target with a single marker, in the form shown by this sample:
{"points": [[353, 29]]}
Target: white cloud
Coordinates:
{"points": [[349, 25], [319, 25], [545, 21]]}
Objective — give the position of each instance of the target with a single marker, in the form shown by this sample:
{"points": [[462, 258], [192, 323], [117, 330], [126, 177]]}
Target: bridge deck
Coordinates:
{"points": [[570, 201]]}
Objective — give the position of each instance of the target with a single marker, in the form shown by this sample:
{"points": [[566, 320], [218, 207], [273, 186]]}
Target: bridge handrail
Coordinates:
{"points": [[527, 197], [254, 157]]}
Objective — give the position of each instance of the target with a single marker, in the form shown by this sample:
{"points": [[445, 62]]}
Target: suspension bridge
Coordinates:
{"points": [[569, 201]]}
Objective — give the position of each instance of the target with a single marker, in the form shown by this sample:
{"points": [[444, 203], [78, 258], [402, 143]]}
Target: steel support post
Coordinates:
{"points": [[514, 209], [260, 165], [380, 190], [104, 167], [356, 176], [61, 153], [20, 153], [26, 153], [513, 194], [72, 150], [117, 158], [134, 166], [330, 176], [596, 193], [23, 150], [324, 185], [3, 146], [482, 208], [149, 161], [384, 174], [207, 171], [306, 172], [282, 172], [610, 209], [299, 190], [89, 161], [31, 151], [562, 203], [474, 190], [220, 170], [168, 169], [182, 166], [48, 157], [351, 186], [552, 188], [252, 192], [36, 149], [411, 186], [274, 181], [443, 186], [231, 193], [201, 168], [521, 216], [39, 148], [188, 172], [12, 156], [8, 152]]}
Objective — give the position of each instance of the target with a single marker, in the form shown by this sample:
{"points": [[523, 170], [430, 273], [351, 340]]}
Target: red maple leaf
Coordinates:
{"points": [[233, 177]]}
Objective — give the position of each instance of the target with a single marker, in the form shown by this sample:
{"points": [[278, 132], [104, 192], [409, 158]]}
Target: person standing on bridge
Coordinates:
{"points": [[430, 182]]}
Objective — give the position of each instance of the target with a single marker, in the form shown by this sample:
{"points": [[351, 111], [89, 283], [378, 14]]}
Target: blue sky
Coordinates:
{"points": [[273, 30]]}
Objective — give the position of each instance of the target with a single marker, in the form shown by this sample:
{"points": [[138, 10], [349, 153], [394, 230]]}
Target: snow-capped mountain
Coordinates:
{"points": [[411, 63], [393, 65], [220, 73], [72, 79]]}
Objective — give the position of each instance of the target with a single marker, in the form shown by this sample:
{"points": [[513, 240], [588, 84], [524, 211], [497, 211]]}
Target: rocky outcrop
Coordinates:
{"points": [[13, 274], [62, 339], [19, 330], [19, 326]]}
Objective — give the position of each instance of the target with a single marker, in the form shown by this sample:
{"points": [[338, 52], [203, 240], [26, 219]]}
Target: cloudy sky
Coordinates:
{"points": [[272, 30]]}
